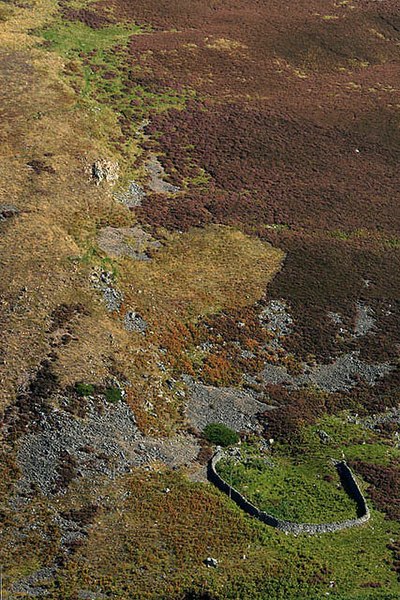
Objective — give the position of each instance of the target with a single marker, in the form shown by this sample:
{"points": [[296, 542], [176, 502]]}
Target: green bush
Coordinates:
{"points": [[113, 394], [220, 434], [84, 389]]}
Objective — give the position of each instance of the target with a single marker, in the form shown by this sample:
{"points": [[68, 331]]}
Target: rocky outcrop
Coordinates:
{"points": [[105, 170], [7, 211], [349, 483]]}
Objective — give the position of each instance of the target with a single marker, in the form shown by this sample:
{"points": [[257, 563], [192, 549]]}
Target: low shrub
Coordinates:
{"points": [[220, 434], [84, 389], [113, 394]]}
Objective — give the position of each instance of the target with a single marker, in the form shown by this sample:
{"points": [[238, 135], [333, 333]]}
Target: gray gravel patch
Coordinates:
{"points": [[32, 585], [341, 375], [97, 444], [134, 322], [232, 407], [106, 442], [275, 375], [365, 321], [133, 242], [89, 595], [175, 452], [377, 421], [157, 183]]}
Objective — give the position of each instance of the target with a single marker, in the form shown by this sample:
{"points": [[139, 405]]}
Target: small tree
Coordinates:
{"points": [[220, 434]]}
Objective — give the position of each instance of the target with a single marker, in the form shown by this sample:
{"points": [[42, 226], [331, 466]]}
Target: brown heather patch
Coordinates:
{"points": [[297, 409], [88, 17], [218, 370], [285, 49], [277, 140], [298, 173], [395, 548], [384, 486], [323, 274], [365, 399]]}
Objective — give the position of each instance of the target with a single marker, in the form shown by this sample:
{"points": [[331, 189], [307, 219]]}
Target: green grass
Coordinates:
{"points": [[291, 491], [70, 38], [355, 441], [133, 101], [84, 389], [301, 483], [378, 453], [97, 60]]}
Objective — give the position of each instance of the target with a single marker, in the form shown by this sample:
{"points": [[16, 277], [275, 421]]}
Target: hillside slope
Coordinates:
{"points": [[199, 224]]}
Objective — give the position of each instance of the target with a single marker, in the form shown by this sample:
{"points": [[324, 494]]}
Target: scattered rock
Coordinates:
{"points": [[340, 375], [276, 318], [104, 442], [343, 374], [232, 407], [134, 322], [247, 354], [323, 436], [89, 595], [335, 318], [103, 281], [174, 452], [33, 585], [132, 197], [112, 299], [42, 455], [365, 321]]}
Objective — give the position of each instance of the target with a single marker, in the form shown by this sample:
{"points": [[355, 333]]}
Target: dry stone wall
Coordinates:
{"points": [[349, 483]]}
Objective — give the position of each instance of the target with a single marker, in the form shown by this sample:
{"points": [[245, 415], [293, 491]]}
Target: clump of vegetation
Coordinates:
{"points": [[219, 371], [220, 434], [84, 389], [113, 394]]}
